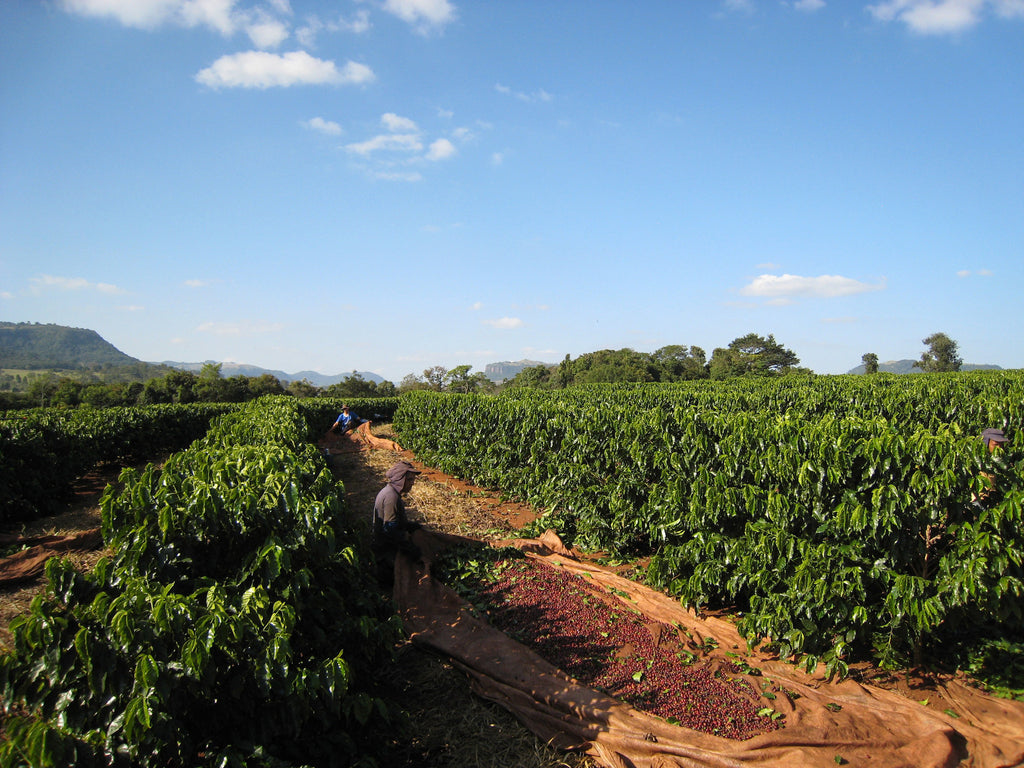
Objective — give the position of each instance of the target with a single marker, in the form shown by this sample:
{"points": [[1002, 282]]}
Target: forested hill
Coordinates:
{"points": [[39, 346]]}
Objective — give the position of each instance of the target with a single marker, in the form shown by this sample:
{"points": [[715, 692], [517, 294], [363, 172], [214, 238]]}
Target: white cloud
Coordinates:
{"points": [[505, 323], [244, 328], [1010, 9], [358, 24], [441, 149], [6, 295], [784, 288], [216, 14], [497, 158], [394, 142], [149, 14], [146, 14], [196, 283], [397, 175], [980, 272], [936, 17], [267, 33], [744, 6], [259, 69], [397, 124], [327, 127], [425, 15], [476, 305], [540, 95], [809, 5], [44, 282]]}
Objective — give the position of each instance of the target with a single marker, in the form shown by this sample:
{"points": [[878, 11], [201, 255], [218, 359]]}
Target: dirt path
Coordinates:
{"points": [[454, 728]]}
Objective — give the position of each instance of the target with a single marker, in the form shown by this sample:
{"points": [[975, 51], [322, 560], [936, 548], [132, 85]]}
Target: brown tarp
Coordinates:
{"points": [[29, 563], [826, 723], [358, 439]]}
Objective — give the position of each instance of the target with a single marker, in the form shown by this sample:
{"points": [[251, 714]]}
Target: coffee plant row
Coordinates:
{"points": [[43, 451], [840, 517], [234, 624]]}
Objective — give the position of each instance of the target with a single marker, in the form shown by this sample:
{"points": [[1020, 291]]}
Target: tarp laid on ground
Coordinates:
{"points": [[30, 562], [826, 723], [358, 439]]}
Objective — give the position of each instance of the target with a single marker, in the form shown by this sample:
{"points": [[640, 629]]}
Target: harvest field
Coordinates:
{"points": [[830, 518]]}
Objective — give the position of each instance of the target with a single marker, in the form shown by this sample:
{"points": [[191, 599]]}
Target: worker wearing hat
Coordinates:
{"points": [[993, 440], [391, 527], [346, 420]]}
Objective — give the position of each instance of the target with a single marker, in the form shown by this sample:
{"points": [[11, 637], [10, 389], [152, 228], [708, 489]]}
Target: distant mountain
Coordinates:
{"points": [[907, 366], [240, 369], [39, 346], [500, 372], [46, 346]]}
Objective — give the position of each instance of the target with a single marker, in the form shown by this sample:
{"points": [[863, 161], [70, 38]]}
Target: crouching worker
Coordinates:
{"points": [[391, 527], [347, 420]]}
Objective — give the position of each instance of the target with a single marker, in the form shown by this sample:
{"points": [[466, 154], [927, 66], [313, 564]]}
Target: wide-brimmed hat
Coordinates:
{"points": [[993, 434], [399, 470]]}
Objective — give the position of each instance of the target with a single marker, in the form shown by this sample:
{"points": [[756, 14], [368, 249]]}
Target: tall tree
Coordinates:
{"points": [[436, 377], [941, 355], [752, 355], [677, 362], [870, 361]]}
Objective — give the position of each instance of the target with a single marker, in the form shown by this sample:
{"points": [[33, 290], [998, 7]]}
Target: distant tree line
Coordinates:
{"points": [[749, 355], [177, 386]]}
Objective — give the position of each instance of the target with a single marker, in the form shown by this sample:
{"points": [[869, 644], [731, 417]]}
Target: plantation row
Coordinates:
{"points": [[235, 624], [834, 513], [43, 451]]}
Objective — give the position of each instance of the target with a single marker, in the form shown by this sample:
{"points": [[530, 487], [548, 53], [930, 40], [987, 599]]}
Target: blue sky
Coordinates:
{"points": [[389, 185]]}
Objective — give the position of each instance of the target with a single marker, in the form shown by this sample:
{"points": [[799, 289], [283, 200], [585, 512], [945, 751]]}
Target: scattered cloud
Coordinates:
{"points": [[425, 15], [536, 96], [783, 289], [979, 272], [260, 69], [403, 145], [267, 32], [476, 306], [195, 283], [938, 17], [386, 175], [358, 24], [149, 14], [326, 127], [51, 282], [742, 6], [6, 295], [441, 149], [244, 328], [809, 5], [505, 323], [397, 124], [497, 158], [389, 142]]}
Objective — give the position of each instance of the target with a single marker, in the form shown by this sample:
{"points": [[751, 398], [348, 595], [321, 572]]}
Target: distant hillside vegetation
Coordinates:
{"points": [[505, 370], [35, 346], [241, 369], [907, 366]]}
